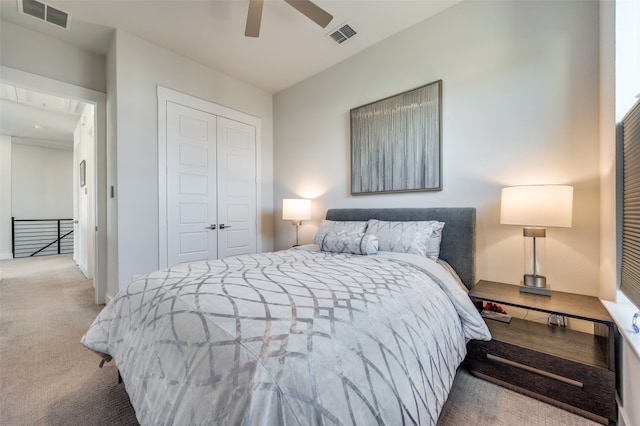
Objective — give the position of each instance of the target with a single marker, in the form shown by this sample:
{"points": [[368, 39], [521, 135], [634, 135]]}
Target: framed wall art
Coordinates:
{"points": [[396, 142], [83, 173]]}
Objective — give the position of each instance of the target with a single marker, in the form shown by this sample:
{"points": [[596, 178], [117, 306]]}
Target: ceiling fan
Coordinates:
{"points": [[308, 9]]}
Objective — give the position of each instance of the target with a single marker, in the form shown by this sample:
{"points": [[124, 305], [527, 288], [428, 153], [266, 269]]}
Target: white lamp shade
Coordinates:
{"points": [[296, 209], [537, 205]]}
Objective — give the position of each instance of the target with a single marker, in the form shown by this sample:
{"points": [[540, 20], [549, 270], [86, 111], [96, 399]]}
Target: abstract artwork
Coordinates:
{"points": [[396, 142], [83, 173]]}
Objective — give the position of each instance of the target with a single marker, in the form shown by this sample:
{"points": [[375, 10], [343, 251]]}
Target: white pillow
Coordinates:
{"points": [[419, 237], [338, 226], [349, 242]]}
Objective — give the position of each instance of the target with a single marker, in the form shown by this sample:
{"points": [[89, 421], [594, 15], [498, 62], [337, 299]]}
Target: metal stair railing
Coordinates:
{"points": [[41, 237]]}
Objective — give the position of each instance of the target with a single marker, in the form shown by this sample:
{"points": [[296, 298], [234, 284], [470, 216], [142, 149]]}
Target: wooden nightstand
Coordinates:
{"points": [[570, 369]]}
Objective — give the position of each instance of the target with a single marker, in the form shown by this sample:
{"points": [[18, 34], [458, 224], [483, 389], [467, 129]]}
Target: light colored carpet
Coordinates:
{"points": [[473, 401], [48, 378]]}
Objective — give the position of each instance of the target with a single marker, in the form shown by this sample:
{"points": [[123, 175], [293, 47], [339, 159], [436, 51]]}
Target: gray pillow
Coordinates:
{"points": [[416, 237], [338, 226], [349, 242]]}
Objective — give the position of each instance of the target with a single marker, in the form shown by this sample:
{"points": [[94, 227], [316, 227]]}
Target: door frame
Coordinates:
{"points": [[169, 95], [99, 101]]}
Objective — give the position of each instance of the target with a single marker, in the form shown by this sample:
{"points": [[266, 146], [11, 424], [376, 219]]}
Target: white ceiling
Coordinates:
{"points": [[290, 48], [37, 118]]}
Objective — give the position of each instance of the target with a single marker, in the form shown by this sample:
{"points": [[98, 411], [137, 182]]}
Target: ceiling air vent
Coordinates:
{"points": [[45, 12], [342, 33]]}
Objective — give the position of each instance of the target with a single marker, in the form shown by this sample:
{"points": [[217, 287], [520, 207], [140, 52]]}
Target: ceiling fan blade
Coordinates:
{"points": [[311, 11], [254, 17]]}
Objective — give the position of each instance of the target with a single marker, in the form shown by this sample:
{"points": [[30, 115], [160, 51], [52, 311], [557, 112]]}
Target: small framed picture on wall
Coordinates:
{"points": [[83, 173]]}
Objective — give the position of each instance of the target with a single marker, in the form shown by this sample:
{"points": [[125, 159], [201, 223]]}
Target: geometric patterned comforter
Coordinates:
{"points": [[295, 337]]}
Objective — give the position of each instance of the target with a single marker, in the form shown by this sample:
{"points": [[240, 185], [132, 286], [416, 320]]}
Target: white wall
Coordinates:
{"points": [[139, 68], [520, 105], [608, 237], [29, 51], [42, 183], [39, 54], [5, 198]]}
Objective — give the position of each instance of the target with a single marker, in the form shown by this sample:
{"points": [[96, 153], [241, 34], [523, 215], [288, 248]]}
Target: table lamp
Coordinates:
{"points": [[296, 210], [536, 207]]}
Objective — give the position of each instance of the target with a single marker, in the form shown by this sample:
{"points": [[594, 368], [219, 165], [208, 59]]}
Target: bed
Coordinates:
{"points": [[358, 328]]}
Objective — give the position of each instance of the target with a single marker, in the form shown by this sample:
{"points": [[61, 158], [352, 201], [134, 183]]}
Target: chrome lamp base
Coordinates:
{"points": [[535, 280], [535, 284]]}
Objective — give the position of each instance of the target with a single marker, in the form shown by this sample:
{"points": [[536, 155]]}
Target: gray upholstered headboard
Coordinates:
{"points": [[458, 244]]}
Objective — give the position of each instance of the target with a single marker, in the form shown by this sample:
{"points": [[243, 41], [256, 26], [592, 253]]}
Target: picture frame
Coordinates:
{"points": [[83, 173], [396, 142]]}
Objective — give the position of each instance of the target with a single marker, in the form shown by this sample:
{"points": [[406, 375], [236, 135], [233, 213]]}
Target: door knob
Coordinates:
{"points": [[223, 226], [211, 227]]}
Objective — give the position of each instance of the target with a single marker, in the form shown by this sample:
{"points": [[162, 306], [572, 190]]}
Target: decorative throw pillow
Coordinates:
{"points": [[349, 242], [420, 237], [338, 226]]}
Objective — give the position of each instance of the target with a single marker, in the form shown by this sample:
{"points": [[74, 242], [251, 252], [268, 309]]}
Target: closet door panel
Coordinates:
{"points": [[191, 185], [237, 208]]}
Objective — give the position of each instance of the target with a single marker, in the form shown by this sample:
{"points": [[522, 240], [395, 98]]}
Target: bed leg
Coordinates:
{"points": [[119, 377]]}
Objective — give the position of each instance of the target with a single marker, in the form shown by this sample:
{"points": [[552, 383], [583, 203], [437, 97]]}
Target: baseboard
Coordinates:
{"points": [[6, 256]]}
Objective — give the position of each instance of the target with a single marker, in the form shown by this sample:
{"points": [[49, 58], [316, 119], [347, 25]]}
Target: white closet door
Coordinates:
{"points": [[237, 210], [191, 185]]}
